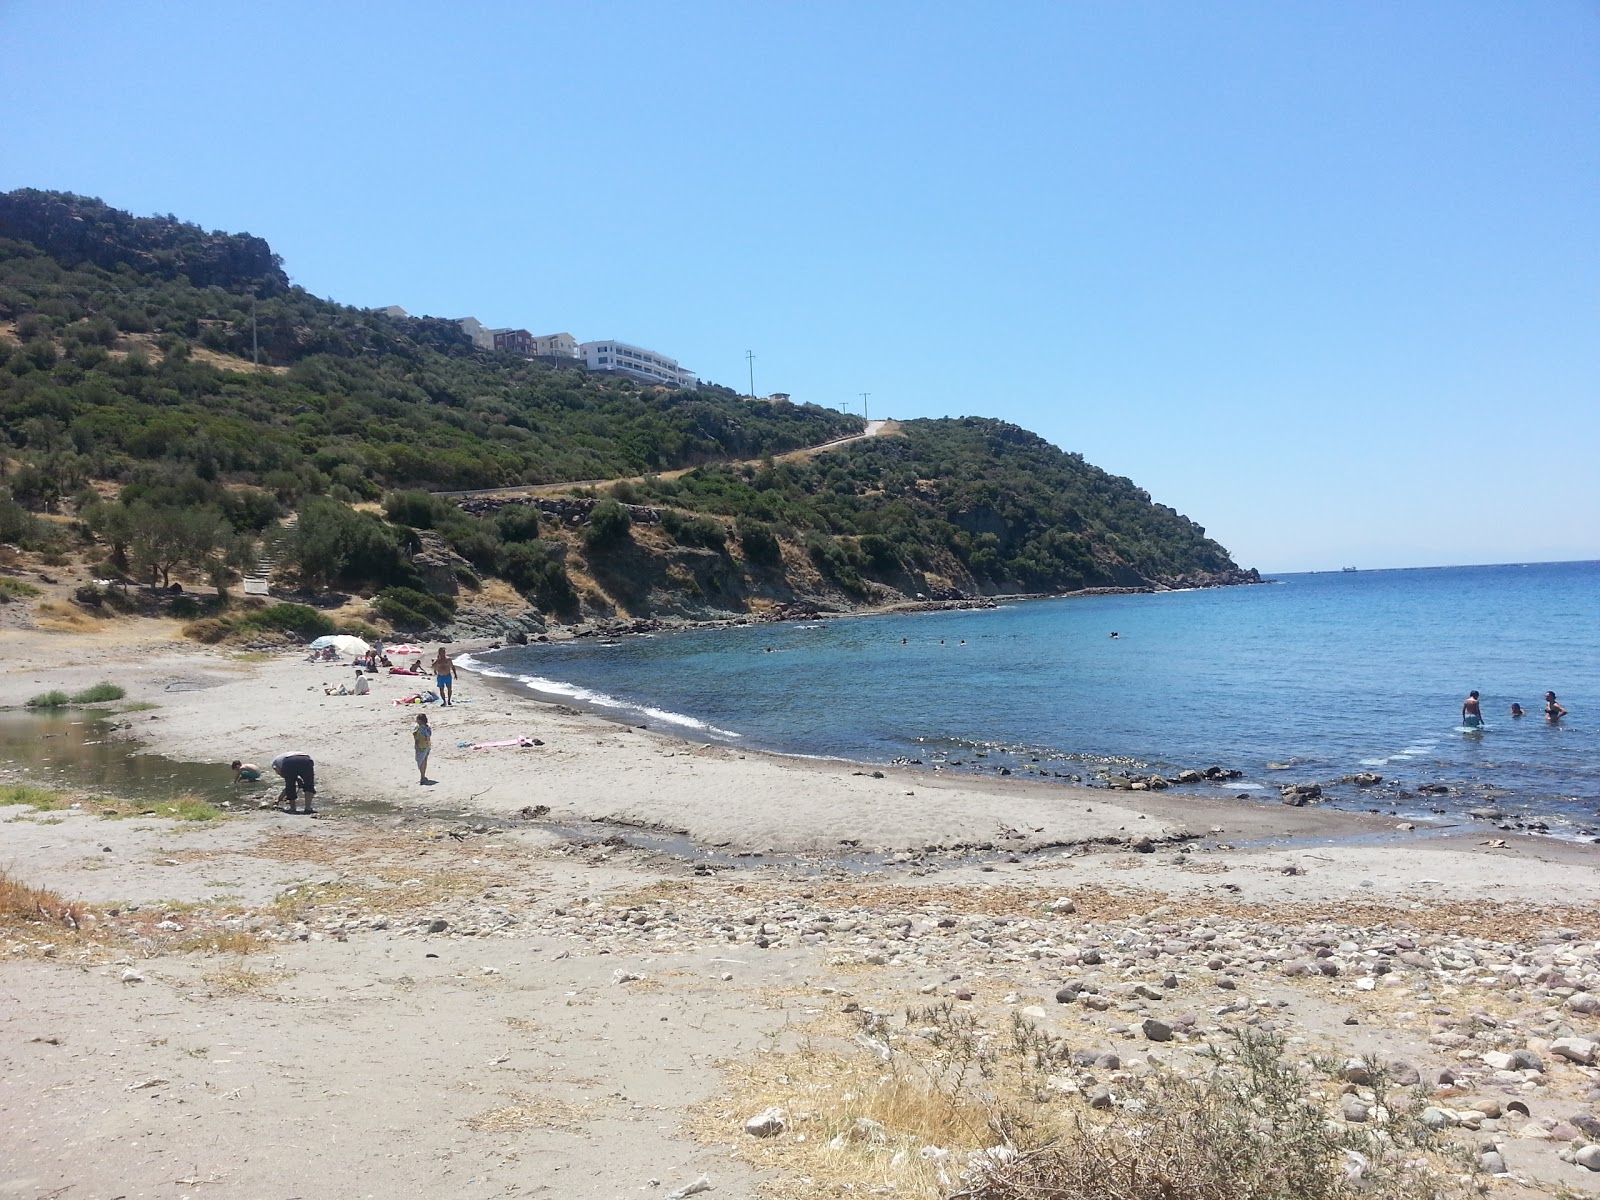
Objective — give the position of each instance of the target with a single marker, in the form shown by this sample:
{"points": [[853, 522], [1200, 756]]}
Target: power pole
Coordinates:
{"points": [[864, 396], [750, 358], [255, 345]]}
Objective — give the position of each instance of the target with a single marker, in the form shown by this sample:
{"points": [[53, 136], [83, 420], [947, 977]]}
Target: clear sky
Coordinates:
{"points": [[1324, 276]]}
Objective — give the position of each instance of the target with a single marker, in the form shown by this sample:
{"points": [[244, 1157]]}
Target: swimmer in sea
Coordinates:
{"points": [[1471, 711], [1553, 711], [1517, 711], [1115, 634]]}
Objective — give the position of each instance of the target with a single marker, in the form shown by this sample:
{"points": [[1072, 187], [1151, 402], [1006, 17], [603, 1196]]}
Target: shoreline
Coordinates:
{"points": [[596, 770]]}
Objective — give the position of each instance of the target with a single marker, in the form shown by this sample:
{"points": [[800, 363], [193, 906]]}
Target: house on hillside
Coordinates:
{"points": [[648, 365], [514, 341]]}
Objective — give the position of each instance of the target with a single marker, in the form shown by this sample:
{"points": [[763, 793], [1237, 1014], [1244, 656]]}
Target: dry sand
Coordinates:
{"points": [[515, 1057]]}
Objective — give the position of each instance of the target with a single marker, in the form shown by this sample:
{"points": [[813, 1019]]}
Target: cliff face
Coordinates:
{"points": [[75, 230]]}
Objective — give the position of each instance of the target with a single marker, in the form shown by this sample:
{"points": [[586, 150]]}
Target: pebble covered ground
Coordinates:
{"points": [[1494, 1011]]}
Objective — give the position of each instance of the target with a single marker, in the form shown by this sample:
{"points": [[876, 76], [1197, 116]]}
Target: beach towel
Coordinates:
{"points": [[522, 741]]}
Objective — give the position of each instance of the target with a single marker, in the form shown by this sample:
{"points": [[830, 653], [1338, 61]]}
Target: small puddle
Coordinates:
{"points": [[87, 750]]}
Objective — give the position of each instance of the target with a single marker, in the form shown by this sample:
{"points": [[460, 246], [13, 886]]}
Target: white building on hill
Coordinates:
{"points": [[612, 355]]}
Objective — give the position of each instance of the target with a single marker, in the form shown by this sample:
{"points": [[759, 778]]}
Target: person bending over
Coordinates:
{"points": [[297, 771]]}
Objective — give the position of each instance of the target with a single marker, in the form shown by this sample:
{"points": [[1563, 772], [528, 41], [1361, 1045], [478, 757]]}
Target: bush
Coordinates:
{"points": [[407, 608], [609, 523], [694, 531], [517, 523], [286, 618], [210, 631], [416, 509], [529, 568], [100, 693], [56, 699], [15, 589], [759, 543]]}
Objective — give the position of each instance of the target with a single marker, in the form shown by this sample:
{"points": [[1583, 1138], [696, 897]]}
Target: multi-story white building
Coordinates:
{"points": [[555, 345], [612, 355]]}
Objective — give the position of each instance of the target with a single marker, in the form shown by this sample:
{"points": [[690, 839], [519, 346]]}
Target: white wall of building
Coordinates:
{"points": [[612, 355]]}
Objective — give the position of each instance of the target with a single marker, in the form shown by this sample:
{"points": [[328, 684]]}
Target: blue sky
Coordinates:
{"points": [[1326, 277]]}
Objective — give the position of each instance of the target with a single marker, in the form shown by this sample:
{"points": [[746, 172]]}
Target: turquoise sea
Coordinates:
{"points": [[1308, 678]]}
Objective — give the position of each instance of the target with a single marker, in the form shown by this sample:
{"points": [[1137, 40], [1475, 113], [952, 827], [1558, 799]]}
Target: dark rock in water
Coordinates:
{"points": [[1485, 814], [1363, 779], [1311, 791], [1295, 799], [1190, 776]]}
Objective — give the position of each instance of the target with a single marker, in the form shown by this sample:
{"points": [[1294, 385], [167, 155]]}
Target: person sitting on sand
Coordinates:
{"points": [[1516, 710], [444, 672], [1471, 711], [362, 686], [244, 772], [1553, 711]]}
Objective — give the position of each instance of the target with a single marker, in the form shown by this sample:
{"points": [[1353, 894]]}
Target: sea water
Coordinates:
{"points": [[1308, 678]]}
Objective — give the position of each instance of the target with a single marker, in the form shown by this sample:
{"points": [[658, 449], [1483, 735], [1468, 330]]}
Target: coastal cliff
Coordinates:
{"points": [[174, 409]]}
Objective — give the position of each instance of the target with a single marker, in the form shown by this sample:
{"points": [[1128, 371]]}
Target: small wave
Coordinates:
{"points": [[1374, 762], [583, 695], [1246, 787]]}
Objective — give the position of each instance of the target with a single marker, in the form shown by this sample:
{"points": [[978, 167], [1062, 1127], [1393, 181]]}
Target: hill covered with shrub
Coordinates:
{"points": [[129, 400]]}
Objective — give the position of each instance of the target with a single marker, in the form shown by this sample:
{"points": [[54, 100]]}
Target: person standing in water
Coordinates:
{"points": [[1471, 711], [1553, 711]]}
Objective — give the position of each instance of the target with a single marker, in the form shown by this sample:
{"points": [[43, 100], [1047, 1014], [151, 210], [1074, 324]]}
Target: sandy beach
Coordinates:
{"points": [[437, 992]]}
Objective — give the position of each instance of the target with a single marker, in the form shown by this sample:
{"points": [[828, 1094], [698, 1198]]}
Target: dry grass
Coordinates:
{"points": [[25, 907], [941, 1105], [530, 1112], [57, 616], [236, 979]]}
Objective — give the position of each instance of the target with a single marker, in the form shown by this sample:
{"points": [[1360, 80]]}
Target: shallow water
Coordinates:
{"points": [[1308, 679], [85, 749]]}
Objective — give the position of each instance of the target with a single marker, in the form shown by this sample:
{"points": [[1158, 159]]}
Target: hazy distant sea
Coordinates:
{"points": [[1309, 678]]}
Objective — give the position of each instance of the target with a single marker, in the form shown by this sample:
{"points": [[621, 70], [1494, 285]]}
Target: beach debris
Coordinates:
{"points": [[148, 1083], [130, 975], [532, 812], [694, 1188], [769, 1122]]}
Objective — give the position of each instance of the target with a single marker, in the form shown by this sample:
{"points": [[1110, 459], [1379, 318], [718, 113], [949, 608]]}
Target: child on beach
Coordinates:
{"points": [[244, 772], [422, 741]]}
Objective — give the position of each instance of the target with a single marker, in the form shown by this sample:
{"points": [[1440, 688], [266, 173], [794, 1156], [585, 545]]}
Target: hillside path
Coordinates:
{"points": [[874, 429]]}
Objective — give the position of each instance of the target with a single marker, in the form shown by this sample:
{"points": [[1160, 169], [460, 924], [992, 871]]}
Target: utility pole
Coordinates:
{"points": [[750, 358], [255, 345], [864, 396]]}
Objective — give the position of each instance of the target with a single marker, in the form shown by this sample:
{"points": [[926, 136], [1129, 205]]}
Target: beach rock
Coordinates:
{"points": [[129, 975], [1295, 799], [1364, 779], [1144, 845], [1354, 1108], [1403, 1074], [1063, 906], [1190, 777], [1491, 1162], [1586, 1003], [1155, 1031], [1575, 1049], [1066, 995], [438, 925], [1100, 1098], [1308, 791], [1357, 1072], [1526, 1060], [1588, 1158], [1437, 1118], [769, 1122]]}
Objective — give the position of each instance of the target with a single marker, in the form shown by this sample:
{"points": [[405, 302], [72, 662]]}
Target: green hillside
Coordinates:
{"points": [[129, 400]]}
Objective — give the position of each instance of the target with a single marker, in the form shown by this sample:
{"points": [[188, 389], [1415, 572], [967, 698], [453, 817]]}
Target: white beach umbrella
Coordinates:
{"points": [[344, 643]]}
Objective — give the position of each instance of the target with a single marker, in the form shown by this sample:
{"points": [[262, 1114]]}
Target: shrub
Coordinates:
{"points": [[609, 523], [416, 509], [55, 699], [287, 618], [759, 543], [694, 531], [15, 589], [518, 523], [408, 608], [210, 631], [100, 693]]}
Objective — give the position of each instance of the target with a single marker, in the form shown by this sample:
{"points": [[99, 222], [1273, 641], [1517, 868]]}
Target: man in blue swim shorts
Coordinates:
{"points": [[1471, 712], [444, 675]]}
